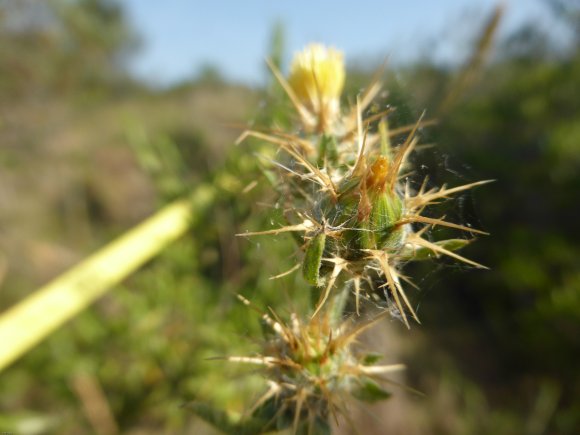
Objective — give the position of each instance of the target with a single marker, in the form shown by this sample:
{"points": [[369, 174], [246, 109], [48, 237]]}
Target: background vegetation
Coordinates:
{"points": [[87, 152]]}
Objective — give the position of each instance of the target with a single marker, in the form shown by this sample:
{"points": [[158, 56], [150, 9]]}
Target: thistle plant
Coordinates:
{"points": [[342, 184]]}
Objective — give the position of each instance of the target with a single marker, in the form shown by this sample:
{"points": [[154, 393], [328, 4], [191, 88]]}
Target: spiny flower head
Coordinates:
{"points": [[311, 367], [344, 186]]}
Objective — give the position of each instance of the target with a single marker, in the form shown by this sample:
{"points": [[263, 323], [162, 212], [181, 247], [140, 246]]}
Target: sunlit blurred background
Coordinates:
{"points": [[111, 109]]}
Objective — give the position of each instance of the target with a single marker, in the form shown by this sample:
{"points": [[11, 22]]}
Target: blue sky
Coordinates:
{"points": [[181, 35]]}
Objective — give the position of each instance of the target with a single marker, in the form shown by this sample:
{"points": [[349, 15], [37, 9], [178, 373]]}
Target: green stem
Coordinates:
{"points": [[38, 315]]}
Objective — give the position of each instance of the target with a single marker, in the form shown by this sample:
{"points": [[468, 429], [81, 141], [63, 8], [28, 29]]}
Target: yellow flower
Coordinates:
{"points": [[317, 78]]}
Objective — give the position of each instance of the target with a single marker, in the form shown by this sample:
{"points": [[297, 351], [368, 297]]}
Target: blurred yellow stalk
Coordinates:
{"points": [[30, 321]]}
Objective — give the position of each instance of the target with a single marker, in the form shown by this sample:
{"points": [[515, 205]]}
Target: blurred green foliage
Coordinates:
{"points": [[44, 42], [500, 344], [515, 327]]}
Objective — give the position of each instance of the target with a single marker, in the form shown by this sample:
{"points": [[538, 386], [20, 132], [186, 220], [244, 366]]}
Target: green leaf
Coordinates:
{"points": [[371, 392], [313, 258], [371, 358]]}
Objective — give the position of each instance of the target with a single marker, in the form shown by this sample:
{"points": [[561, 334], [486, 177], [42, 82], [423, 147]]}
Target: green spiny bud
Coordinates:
{"points": [[313, 259]]}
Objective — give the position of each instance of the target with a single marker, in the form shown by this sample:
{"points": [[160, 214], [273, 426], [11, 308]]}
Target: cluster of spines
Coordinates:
{"points": [[311, 367]]}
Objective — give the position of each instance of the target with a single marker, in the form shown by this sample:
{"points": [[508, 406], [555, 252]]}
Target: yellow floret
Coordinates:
{"points": [[317, 78], [317, 72]]}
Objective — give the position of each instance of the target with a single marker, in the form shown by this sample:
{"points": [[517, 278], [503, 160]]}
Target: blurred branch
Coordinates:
{"points": [[468, 74], [95, 404], [40, 314]]}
